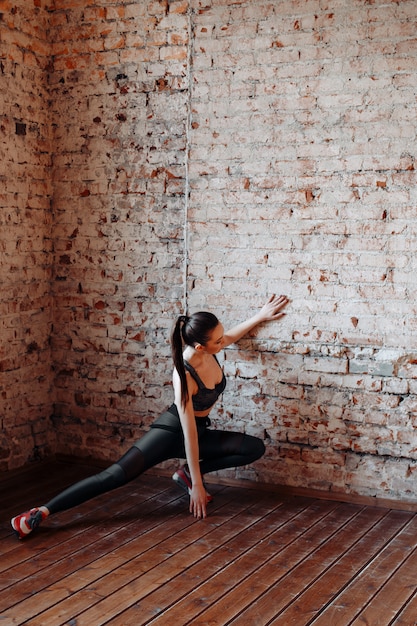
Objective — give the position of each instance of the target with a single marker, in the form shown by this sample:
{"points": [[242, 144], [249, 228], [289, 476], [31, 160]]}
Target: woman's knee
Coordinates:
{"points": [[253, 447], [112, 477], [132, 463]]}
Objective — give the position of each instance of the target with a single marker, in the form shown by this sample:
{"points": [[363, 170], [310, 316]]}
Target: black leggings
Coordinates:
{"points": [[218, 450]]}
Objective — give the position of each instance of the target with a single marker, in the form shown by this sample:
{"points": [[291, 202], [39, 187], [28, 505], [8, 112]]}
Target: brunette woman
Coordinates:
{"points": [[183, 431]]}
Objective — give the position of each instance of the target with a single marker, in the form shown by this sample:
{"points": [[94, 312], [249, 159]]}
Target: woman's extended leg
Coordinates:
{"points": [[157, 445]]}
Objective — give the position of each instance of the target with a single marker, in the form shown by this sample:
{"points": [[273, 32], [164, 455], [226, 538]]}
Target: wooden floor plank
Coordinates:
{"points": [[23, 492], [35, 593], [247, 590], [408, 615], [292, 519], [180, 587], [389, 600], [133, 562], [187, 547], [322, 590], [136, 556], [280, 593], [354, 597], [61, 534]]}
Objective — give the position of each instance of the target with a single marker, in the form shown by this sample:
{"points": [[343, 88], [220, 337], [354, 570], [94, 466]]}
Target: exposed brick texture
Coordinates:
{"points": [[25, 236], [120, 87], [204, 155]]}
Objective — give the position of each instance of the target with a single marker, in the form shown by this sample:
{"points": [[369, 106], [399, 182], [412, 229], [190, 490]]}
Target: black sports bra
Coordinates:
{"points": [[205, 398]]}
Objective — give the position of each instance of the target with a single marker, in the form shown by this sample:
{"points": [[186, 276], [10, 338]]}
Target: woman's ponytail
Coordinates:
{"points": [[176, 348]]}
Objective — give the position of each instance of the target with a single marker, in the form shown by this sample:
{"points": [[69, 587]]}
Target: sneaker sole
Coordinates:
{"points": [[179, 481]]}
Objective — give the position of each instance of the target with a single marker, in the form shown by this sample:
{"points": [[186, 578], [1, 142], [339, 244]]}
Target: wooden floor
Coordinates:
{"points": [[136, 556]]}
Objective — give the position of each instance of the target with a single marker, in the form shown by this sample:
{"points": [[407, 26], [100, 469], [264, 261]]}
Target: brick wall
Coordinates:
{"points": [[278, 138], [302, 182], [120, 92], [25, 236]]}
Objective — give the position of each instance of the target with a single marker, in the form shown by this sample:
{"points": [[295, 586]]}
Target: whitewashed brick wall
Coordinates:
{"points": [[302, 182], [279, 137]]}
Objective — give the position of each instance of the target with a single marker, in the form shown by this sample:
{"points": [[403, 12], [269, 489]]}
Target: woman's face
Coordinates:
{"points": [[215, 342]]}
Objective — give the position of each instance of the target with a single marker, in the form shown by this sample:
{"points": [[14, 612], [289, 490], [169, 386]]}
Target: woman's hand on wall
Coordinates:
{"points": [[272, 310]]}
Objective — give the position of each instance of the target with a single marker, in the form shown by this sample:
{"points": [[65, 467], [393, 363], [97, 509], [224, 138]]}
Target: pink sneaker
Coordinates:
{"points": [[183, 479], [26, 522]]}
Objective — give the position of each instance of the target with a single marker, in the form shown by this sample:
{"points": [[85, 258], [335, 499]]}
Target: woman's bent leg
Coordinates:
{"points": [[223, 449]]}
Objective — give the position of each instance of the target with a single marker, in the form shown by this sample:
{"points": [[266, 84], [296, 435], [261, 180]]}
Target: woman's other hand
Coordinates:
{"points": [[198, 501]]}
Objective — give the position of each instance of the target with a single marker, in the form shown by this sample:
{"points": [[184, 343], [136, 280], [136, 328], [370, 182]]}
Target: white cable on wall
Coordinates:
{"points": [[187, 155]]}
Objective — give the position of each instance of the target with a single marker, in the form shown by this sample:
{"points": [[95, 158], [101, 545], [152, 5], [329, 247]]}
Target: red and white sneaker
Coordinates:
{"points": [[26, 522], [183, 479]]}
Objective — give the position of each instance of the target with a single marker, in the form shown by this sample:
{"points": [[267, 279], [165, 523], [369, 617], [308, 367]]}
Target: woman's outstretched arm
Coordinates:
{"points": [[272, 310]]}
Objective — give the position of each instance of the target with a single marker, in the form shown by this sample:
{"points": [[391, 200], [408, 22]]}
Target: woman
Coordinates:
{"points": [[183, 430]]}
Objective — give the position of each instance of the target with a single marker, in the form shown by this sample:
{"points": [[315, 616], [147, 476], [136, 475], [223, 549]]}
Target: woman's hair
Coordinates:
{"points": [[190, 331]]}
